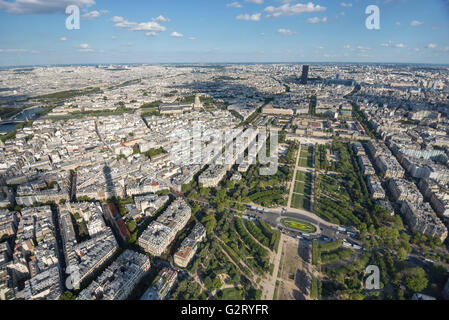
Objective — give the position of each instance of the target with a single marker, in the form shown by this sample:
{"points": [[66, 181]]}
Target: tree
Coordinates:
{"points": [[194, 208], [185, 188], [209, 222], [67, 296], [131, 225], [220, 207], [387, 233], [416, 279], [402, 254], [132, 238], [208, 283], [217, 284], [204, 192]]}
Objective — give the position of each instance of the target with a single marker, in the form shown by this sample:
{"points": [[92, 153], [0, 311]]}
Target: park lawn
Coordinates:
{"points": [[299, 187], [306, 151], [305, 177], [298, 225], [230, 294], [303, 188], [300, 175], [296, 201], [306, 203], [306, 162], [300, 202]]}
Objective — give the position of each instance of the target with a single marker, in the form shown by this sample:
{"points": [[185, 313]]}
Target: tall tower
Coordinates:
{"points": [[305, 74]]}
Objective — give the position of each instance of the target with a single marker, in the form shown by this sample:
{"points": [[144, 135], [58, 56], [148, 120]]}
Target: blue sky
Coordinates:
{"points": [[151, 31]]}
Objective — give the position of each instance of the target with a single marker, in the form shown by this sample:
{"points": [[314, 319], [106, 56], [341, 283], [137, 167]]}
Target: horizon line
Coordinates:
{"points": [[221, 63]]}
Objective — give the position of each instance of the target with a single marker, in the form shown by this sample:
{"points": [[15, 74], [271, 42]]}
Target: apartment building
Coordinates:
{"points": [[160, 233], [119, 279], [421, 218], [375, 187], [189, 246], [212, 176], [389, 167], [161, 286], [403, 190]]}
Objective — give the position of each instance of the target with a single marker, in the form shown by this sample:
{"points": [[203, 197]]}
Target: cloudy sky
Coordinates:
{"points": [[137, 31]]}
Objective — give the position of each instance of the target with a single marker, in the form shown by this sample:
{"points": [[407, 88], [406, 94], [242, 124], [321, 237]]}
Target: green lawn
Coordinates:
{"points": [[303, 183], [298, 225], [303, 188], [296, 201], [306, 162], [300, 202], [300, 175], [230, 294], [306, 150]]}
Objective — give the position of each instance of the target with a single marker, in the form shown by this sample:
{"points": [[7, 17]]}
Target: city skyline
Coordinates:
{"points": [[34, 33]]}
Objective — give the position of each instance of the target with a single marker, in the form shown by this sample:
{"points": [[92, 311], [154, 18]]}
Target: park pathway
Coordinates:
{"points": [[292, 187]]}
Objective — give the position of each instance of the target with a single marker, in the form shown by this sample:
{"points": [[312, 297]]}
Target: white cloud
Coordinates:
{"points": [[291, 10], [91, 15], [248, 17], [176, 34], [41, 6], [13, 50], [416, 23], [84, 47], [234, 5], [151, 34], [286, 32], [120, 22], [63, 39], [192, 38], [255, 1], [363, 49], [316, 20], [431, 46], [391, 44], [161, 19], [344, 4], [117, 19]]}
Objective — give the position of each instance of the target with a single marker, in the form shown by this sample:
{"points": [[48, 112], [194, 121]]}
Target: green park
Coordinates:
{"points": [[298, 225]]}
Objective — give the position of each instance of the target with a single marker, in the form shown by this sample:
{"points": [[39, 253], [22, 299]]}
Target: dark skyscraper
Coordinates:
{"points": [[305, 74]]}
